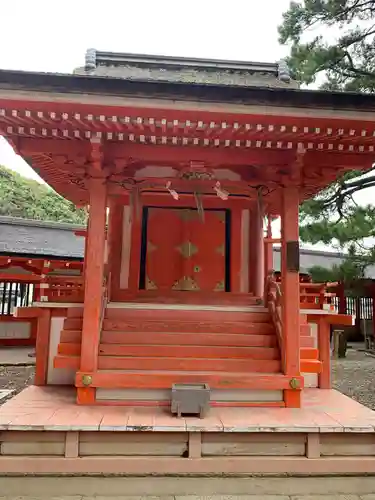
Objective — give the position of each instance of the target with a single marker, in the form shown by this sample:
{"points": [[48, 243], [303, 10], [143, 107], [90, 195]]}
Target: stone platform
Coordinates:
{"points": [[44, 432]]}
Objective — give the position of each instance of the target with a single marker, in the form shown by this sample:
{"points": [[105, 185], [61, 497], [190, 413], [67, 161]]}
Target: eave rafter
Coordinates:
{"points": [[70, 142], [184, 127]]}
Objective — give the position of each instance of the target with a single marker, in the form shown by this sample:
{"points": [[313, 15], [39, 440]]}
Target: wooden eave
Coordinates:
{"points": [[52, 119]]}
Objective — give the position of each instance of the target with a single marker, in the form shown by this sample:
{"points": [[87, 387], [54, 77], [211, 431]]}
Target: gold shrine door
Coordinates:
{"points": [[185, 252]]}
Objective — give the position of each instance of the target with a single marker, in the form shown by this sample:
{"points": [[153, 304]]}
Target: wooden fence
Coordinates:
{"points": [[364, 304]]}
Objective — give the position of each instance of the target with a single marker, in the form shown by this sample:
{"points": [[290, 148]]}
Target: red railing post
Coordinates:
{"points": [[290, 289], [94, 278]]}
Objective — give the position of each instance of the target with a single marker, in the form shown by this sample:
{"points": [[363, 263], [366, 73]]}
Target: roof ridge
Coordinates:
{"points": [[96, 58]]}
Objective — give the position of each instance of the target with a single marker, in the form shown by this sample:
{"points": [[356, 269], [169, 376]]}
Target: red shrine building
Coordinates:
{"points": [[183, 165], [181, 162]]}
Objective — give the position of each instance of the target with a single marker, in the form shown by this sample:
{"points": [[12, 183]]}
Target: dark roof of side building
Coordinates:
{"points": [[34, 239], [153, 68]]}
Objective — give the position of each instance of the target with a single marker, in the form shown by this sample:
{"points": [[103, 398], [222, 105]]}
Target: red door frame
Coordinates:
{"points": [[235, 206]]}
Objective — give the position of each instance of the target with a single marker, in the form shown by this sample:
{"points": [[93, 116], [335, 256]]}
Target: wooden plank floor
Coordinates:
{"points": [[54, 408]]}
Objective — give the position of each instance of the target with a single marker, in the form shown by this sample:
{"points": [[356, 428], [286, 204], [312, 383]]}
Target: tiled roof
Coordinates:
{"points": [[39, 238], [137, 67]]}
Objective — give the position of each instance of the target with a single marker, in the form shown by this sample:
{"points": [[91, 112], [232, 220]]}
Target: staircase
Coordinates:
{"points": [[144, 351], [146, 348], [309, 358]]}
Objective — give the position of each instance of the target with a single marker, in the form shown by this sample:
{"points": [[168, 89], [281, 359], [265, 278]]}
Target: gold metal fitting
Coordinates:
{"points": [[86, 380], [294, 383]]}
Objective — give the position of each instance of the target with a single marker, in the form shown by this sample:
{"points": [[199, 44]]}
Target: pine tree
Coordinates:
{"points": [[332, 45]]}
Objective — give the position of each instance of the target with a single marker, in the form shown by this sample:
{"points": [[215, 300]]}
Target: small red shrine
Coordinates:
{"points": [[183, 164], [180, 162]]}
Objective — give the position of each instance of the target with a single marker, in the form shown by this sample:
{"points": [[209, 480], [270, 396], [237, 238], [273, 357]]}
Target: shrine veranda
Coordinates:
{"points": [[180, 162]]}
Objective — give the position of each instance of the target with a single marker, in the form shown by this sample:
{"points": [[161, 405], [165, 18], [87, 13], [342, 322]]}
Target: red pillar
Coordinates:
{"points": [[94, 274], [256, 253], [290, 289]]}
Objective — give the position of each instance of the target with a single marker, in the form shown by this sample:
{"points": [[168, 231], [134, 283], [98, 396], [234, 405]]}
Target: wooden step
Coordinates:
{"points": [[306, 341], [189, 364], [156, 380], [196, 339], [163, 364], [177, 297], [176, 351], [71, 336], [67, 362], [259, 328], [214, 339], [174, 364], [75, 312], [216, 316], [73, 324], [305, 329], [184, 326], [309, 353], [310, 366]]}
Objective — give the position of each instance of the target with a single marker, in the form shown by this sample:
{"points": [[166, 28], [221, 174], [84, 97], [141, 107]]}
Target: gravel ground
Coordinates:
{"points": [[353, 376], [16, 378]]}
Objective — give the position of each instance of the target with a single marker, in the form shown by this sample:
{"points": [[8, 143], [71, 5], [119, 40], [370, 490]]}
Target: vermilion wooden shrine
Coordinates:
{"points": [[180, 163]]}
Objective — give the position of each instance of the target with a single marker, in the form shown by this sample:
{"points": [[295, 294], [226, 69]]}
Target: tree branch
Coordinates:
{"points": [[347, 189]]}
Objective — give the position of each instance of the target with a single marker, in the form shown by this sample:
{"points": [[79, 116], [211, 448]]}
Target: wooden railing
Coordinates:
{"points": [[316, 295], [64, 288], [274, 307], [313, 295]]}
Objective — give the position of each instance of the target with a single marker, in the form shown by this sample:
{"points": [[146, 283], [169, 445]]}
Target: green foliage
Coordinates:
{"points": [[321, 274], [333, 38], [349, 231], [20, 197], [332, 45]]}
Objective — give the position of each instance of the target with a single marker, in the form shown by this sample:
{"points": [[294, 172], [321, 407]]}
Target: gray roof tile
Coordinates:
{"points": [[148, 68], [30, 237]]}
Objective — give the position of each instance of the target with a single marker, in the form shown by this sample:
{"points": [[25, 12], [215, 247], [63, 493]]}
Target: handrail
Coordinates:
{"points": [[274, 307], [104, 302]]}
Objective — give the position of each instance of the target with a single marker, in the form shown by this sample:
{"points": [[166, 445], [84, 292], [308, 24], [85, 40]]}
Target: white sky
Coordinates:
{"points": [[42, 35]]}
